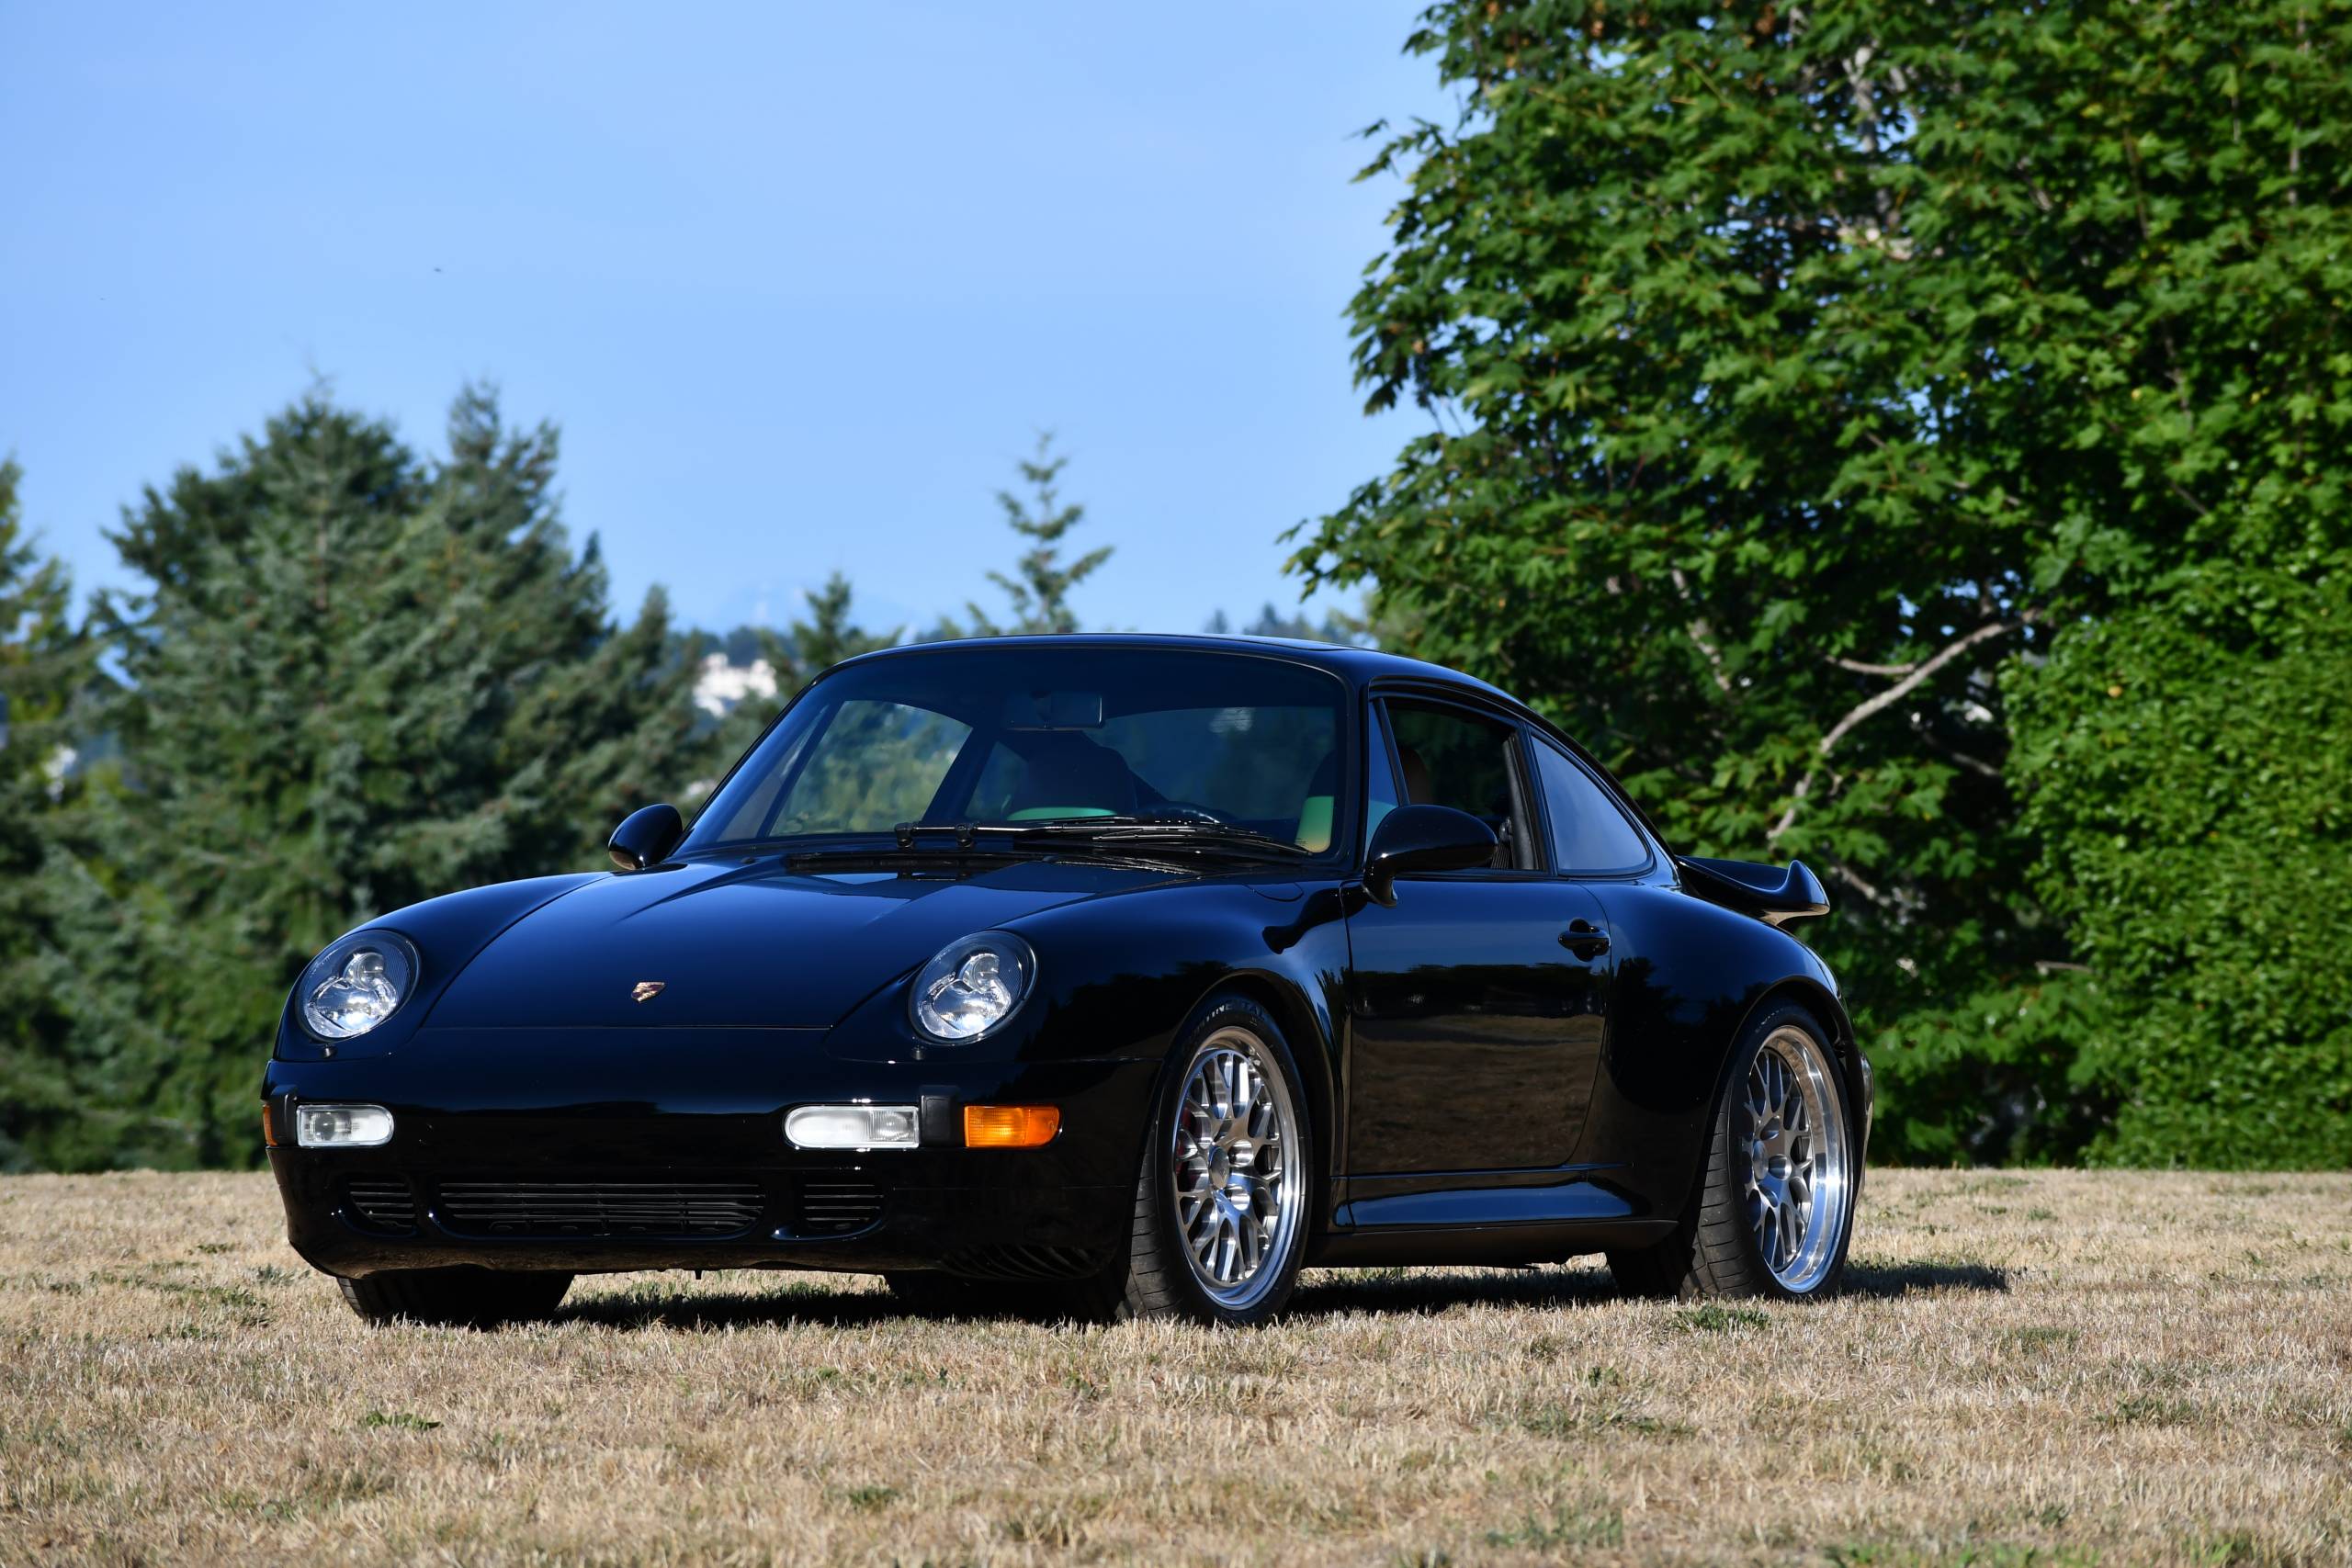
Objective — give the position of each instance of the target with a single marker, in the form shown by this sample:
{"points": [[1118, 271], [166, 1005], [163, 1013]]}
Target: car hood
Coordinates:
{"points": [[737, 946]]}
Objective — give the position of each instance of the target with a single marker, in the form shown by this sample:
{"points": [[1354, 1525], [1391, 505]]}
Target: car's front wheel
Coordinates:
{"points": [[1225, 1195], [1774, 1211], [479, 1298]]}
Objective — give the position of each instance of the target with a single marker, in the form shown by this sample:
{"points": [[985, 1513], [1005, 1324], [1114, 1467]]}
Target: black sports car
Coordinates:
{"points": [[1104, 975]]}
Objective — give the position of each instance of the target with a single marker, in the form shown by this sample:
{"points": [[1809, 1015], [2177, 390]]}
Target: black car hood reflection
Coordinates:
{"points": [[730, 945]]}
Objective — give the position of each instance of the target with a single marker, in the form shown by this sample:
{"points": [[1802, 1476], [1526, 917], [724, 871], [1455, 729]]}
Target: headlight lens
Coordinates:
{"points": [[973, 985], [356, 984]]}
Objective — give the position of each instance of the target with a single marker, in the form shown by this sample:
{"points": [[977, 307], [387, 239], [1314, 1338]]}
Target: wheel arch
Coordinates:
{"points": [[1823, 1003], [1313, 1051]]}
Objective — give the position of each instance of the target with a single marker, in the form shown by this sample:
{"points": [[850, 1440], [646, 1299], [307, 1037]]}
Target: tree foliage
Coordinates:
{"points": [[2187, 779], [1040, 585], [44, 664], [825, 633], [1791, 372], [356, 678]]}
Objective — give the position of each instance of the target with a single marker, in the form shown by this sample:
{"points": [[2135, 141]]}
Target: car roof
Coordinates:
{"points": [[1358, 665]]}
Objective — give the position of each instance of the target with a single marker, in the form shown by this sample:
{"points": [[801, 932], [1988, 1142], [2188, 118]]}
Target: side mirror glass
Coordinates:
{"points": [[1414, 839], [646, 837]]}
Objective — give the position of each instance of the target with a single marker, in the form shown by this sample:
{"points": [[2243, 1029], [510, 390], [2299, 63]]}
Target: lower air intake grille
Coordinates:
{"points": [[381, 1203], [600, 1208], [837, 1207]]}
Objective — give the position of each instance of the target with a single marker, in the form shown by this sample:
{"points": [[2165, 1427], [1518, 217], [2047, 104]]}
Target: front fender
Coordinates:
{"points": [[448, 932], [1118, 978]]}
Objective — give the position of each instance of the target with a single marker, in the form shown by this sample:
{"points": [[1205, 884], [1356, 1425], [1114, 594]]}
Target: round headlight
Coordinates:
{"points": [[356, 985], [973, 985]]}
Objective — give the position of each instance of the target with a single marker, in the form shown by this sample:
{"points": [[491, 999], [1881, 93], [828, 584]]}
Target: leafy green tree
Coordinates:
{"points": [[1040, 588], [1791, 372], [44, 664], [2186, 773], [356, 678]]}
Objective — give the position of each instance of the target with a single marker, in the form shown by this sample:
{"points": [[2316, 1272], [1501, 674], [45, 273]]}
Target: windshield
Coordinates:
{"points": [[1043, 736]]}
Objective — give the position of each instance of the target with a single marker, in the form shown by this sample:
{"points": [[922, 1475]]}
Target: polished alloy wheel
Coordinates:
{"points": [[1235, 1154], [1793, 1126]]}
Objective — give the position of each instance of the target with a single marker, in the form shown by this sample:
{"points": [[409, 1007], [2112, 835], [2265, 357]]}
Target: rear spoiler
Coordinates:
{"points": [[1774, 894]]}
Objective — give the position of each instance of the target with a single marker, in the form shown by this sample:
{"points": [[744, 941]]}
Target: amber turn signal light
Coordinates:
{"points": [[1009, 1126]]}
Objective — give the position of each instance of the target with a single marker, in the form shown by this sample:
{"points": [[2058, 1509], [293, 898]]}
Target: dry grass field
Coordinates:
{"points": [[2031, 1369]]}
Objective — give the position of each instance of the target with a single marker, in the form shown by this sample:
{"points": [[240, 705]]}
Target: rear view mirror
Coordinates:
{"points": [[1053, 710], [1418, 838], [646, 837]]}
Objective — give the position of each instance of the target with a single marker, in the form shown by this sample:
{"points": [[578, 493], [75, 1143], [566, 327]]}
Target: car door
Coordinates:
{"points": [[1475, 1026], [1598, 849]]}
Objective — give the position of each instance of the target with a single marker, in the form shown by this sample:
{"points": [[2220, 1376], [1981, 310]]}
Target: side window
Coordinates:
{"points": [[1380, 776], [1448, 756], [1589, 832]]}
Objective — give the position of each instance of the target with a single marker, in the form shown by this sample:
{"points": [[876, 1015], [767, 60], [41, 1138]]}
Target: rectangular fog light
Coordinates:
{"points": [[342, 1126], [853, 1127]]}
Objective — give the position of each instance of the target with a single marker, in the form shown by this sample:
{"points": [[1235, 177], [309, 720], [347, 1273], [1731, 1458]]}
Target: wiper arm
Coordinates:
{"points": [[1187, 831], [1222, 834]]}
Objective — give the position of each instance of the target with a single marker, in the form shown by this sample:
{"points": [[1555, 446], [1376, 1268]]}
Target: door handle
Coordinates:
{"points": [[1584, 940]]}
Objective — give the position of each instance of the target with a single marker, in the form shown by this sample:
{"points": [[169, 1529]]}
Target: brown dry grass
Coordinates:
{"points": [[2038, 1367]]}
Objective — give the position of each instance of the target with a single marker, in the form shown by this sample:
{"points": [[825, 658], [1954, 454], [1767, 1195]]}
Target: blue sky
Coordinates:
{"points": [[798, 283]]}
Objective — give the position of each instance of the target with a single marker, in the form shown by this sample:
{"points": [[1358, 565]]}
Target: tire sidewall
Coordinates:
{"points": [[1731, 1158], [1172, 1258]]}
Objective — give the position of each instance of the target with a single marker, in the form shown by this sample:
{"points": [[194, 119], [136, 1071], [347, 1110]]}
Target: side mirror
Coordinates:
{"points": [[1420, 839], [646, 837]]}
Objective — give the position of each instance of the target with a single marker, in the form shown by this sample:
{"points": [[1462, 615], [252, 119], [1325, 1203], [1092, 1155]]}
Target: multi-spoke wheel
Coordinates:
{"points": [[1223, 1201], [1774, 1211], [1233, 1155]]}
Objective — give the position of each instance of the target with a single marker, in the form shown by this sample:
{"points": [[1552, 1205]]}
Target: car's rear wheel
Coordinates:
{"points": [[1774, 1211], [479, 1298], [1226, 1190]]}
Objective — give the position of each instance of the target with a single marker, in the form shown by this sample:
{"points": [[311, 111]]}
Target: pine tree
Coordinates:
{"points": [[356, 678], [1040, 592], [44, 662], [813, 644]]}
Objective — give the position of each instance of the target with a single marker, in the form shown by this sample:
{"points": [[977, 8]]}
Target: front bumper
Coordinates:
{"points": [[653, 1153]]}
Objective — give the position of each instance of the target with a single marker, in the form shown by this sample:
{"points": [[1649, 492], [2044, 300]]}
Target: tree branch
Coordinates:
{"points": [[1853, 879], [1700, 633], [1883, 701]]}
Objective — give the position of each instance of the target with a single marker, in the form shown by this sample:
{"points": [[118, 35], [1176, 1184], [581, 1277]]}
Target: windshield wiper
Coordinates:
{"points": [[1187, 829], [1138, 831]]}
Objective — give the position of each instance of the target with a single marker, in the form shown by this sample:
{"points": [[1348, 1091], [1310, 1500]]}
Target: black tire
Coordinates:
{"points": [[474, 1298], [1714, 1250], [1155, 1277]]}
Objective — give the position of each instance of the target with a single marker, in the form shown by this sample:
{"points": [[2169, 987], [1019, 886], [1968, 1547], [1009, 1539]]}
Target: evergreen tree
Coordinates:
{"points": [[356, 678], [815, 641], [44, 664], [1041, 588]]}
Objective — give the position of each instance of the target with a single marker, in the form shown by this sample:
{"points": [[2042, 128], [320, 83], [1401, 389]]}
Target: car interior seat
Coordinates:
{"points": [[1070, 776], [1314, 832]]}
